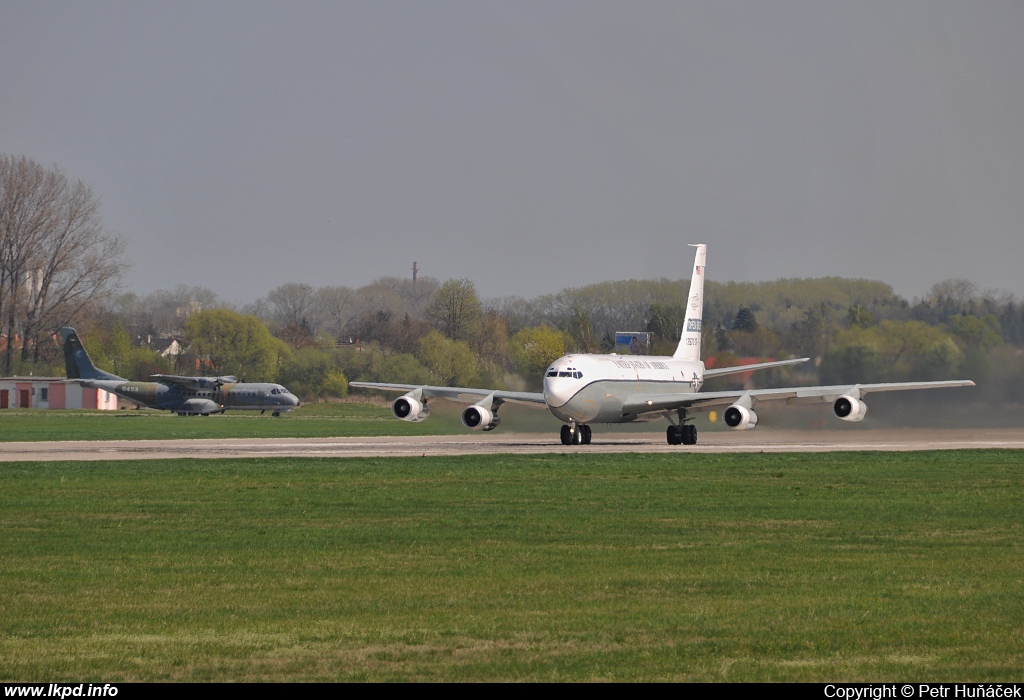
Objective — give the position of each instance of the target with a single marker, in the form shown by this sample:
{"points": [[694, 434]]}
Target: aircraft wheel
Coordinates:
{"points": [[276, 414], [577, 435], [587, 434], [566, 435], [674, 434], [689, 434]]}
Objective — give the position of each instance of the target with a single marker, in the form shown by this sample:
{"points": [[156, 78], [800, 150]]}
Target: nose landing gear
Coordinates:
{"points": [[574, 434]]}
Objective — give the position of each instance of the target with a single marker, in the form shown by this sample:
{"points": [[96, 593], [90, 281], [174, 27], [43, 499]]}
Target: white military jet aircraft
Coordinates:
{"points": [[584, 389]]}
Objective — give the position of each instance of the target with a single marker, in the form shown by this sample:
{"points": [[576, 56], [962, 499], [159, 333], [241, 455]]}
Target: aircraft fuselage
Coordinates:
{"points": [[594, 388], [247, 396]]}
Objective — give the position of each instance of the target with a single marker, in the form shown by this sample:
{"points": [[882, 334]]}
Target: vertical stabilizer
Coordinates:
{"points": [[76, 360], [689, 341]]}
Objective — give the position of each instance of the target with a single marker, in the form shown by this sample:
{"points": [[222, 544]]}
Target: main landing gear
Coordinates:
{"points": [[681, 434], [574, 434]]}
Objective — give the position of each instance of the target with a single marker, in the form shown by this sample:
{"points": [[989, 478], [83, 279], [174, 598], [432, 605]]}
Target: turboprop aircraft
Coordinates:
{"points": [[186, 396], [582, 389]]}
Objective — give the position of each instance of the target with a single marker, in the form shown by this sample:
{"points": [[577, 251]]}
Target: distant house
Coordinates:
{"points": [[52, 392], [167, 347]]}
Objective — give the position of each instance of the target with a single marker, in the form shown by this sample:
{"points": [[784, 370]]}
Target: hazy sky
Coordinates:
{"points": [[531, 146]]}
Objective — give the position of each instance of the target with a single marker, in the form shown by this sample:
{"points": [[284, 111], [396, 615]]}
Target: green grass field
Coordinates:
{"points": [[842, 566], [314, 420]]}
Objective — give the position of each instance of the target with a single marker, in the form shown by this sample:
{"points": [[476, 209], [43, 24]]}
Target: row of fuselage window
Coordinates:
{"points": [[209, 394]]}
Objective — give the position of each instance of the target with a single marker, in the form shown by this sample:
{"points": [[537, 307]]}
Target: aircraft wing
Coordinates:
{"points": [[192, 381], [456, 393], [645, 403], [173, 379]]}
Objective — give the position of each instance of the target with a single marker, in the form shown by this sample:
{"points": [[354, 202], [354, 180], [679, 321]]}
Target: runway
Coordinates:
{"points": [[516, 443]]}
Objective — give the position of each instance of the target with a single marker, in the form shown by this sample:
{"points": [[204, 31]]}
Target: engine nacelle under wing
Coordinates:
{"points": [[409, 409], [479, 418], [740, 417], [849, 408]]}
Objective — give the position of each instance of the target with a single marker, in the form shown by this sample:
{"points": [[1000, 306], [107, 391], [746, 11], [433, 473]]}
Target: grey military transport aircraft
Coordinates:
{"points": [[581, 389], [186, 396]]}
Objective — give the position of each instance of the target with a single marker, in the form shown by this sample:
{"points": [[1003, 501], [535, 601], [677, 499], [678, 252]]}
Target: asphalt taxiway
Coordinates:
{"points": [[515, 443]]}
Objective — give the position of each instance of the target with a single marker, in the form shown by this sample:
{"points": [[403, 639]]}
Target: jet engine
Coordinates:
{"points": [[740, 417], [198, 407], [409, 409], [849, 408], [479, 418]]}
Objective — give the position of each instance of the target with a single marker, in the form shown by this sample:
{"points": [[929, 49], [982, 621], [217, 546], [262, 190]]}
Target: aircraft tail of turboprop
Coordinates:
{"points": [[76, 360], [689, 340]]}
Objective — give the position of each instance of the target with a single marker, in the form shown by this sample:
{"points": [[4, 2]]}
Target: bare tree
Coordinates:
{"points": [[518, 313], [296, 305], [162, 313], [55, 257], [338, 307], [371, 307], [416, 294], [957, 290], [171, 309]]}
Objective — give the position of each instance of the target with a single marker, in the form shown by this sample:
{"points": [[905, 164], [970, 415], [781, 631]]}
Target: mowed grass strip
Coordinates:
{"points": [[841, 566], [314, 420]]}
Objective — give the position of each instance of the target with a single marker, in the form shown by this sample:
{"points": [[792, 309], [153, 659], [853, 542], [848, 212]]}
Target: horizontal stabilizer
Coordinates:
{"points": [[722, 371]]}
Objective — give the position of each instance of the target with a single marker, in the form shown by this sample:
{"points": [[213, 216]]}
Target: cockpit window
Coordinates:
{"points": [[570, 372], [552, 373]]}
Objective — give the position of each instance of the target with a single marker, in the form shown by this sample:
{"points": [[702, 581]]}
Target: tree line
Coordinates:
{"points": [[316, 340], [59, 266]]}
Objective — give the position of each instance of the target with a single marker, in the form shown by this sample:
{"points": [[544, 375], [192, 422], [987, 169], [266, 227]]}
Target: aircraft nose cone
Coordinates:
{"points": [[556, 392]]}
